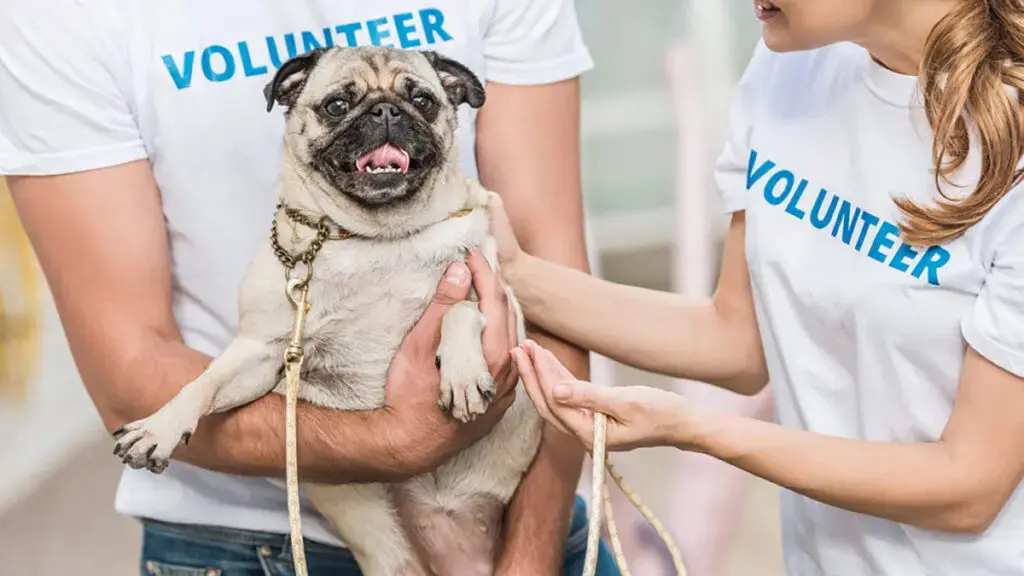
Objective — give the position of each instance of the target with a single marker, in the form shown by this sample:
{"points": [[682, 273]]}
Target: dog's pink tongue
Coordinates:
{"points": [[383, 157]]}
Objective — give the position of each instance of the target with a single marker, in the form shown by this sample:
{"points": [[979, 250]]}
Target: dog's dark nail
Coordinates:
{"points": [[117, 432], [437, 362], [488, 395], [186, 437]]}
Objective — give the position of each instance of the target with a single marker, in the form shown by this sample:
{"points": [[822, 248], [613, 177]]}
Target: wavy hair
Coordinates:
{"points": [[972, 80]]}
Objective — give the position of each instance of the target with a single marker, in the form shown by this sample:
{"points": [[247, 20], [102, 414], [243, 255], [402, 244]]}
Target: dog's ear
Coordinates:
{"points": [[284, 89], [461, 85]]}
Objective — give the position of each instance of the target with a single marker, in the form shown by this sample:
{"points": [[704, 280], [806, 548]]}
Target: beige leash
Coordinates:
{"points": [[601, 500], [293, 368], [298, 293], [297, 290]]}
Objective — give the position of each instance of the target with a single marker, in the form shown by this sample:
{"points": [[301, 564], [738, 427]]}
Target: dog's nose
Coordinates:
{"points": [[384, 112]]}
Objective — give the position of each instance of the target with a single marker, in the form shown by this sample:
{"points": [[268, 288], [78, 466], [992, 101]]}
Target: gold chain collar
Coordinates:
{"points": [[325, 229]]}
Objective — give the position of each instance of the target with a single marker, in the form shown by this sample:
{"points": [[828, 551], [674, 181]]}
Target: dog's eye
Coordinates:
{"points": [[336, 108], [422, 102]]}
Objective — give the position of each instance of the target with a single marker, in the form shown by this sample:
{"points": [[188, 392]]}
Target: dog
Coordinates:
{"points": [[370, 145]]}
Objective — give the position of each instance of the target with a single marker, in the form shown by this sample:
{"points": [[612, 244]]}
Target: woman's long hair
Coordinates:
{"points": [[972, 57]]}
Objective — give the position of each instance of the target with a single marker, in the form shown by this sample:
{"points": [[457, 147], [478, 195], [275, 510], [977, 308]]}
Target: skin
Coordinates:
{"points": [[114, 299], [535, 167], [957, 484], [119, 343], [893, 31]]}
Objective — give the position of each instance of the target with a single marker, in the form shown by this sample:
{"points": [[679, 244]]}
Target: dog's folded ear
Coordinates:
{"points": [[284, 89], [461, 85]]}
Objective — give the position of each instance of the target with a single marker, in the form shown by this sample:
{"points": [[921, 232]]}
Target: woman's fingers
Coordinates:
{"points": [[545, 357], [547, 376], [533, 389], [584, 395], [566, 390]]}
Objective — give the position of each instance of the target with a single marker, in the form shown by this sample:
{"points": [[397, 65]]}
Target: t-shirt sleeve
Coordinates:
{"points": [[995, 325], [731, 166], [62, 108], [534, 42]]}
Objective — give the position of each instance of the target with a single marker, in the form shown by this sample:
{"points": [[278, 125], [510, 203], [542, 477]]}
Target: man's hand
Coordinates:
{"points": [[423, 436]]}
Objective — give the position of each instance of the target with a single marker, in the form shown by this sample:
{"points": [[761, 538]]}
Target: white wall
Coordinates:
{"points": [[56, 419]]}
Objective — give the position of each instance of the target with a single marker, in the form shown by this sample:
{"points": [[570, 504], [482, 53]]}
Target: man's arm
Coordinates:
{"points": [[102, 243], [528, 150]]}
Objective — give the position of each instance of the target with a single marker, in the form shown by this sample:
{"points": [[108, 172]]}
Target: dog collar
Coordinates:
{"points": [[326, 229]]}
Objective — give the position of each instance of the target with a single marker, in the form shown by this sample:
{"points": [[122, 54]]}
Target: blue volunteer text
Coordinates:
{"points": [[222, 62]]}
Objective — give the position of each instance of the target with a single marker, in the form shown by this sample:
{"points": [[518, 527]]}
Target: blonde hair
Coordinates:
{"points": [[971, 57]]}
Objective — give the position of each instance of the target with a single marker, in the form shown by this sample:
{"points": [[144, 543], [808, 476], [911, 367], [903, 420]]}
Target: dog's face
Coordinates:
{"points": [[375, 126]]}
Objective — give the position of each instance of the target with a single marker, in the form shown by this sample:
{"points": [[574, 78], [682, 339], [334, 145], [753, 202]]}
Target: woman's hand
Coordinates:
{"points": [[638, 416]]}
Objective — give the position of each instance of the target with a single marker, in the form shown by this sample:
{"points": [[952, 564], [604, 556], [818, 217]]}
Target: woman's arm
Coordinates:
{"points": [[713, 340], [102, 243], [957, 484], [535, 167]]}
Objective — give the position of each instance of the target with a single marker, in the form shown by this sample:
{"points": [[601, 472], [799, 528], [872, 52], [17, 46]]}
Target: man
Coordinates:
{"points": [[143, 163]]}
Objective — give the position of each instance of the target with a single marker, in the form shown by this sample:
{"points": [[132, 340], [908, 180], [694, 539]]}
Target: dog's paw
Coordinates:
{"points": [[466, 386], [149, 443]]}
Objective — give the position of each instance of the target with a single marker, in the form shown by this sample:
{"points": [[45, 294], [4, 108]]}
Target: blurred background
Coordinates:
{"points": [[654, 113]]}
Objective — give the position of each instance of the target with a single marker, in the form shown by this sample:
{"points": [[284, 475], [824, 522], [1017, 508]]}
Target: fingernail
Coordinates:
{"points": [[457, 275], [562, 391]]}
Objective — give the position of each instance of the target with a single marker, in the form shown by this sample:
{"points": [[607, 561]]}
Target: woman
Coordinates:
{"points": [[873, 271]]}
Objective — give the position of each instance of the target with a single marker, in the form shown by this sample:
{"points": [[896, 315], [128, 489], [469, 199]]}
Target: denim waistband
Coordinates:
{"points": [[575, 542]]}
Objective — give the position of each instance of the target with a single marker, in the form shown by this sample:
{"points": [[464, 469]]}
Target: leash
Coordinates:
{"points": [[298, 295], [297, 291], [600, 500]]}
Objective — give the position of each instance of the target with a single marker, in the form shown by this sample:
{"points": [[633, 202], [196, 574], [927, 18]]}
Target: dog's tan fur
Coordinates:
{"points": [[366, 293]]}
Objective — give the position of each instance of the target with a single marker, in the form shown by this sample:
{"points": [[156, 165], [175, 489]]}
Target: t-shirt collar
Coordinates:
{"points": [[895, 88]]}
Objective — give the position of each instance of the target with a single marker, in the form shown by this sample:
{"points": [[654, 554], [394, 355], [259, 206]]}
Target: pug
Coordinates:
{"points": [[370, 151]]}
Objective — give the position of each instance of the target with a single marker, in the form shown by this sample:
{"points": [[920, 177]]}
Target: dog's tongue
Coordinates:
{"points": [[386, 156]]}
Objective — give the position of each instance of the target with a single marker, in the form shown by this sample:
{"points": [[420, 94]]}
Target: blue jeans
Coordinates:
{"points": [[179, 550]]}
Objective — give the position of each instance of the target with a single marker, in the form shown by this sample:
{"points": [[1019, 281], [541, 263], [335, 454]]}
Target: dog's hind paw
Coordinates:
{"points": [[149, 443]]}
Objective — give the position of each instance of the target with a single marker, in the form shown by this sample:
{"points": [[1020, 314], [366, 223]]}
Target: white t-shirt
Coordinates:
{"points": [[92, 83], [864, 335]]}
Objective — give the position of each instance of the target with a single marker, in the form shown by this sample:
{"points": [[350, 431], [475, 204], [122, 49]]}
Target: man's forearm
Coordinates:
{"points": [[542, 507], [334, 446]]}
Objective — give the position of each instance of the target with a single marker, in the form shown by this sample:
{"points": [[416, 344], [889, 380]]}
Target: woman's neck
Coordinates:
{"points": [[899, 32]]}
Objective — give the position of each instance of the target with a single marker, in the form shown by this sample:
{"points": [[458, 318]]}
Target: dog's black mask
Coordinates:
{"points": [[382, 146]]}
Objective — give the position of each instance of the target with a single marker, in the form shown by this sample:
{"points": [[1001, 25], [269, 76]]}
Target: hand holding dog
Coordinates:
{"points": [[421, 434], [638, 416]]}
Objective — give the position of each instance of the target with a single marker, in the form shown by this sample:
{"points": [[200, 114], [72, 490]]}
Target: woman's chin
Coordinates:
{"points": [[779, 36]]}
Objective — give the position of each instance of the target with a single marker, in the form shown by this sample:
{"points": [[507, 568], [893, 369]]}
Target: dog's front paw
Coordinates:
{"points": [[466, 386], [149, 443]]}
